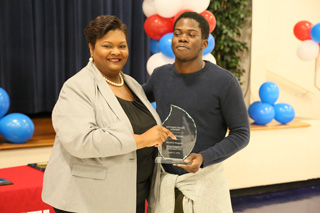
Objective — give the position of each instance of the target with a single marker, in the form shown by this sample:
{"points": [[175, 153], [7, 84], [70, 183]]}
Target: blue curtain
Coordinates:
{"points": [[42, 44]]}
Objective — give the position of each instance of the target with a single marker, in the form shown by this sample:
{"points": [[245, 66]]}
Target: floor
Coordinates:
{"points": [[295, 200]]}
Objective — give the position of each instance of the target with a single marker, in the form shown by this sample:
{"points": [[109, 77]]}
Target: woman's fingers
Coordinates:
{"points": [[169, 133]]}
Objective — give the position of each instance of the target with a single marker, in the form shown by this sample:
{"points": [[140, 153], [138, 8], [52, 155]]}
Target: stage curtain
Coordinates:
{"points": [[42, 44]]}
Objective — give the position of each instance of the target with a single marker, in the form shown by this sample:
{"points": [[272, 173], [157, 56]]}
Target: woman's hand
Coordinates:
{"points": [[155, 136]]}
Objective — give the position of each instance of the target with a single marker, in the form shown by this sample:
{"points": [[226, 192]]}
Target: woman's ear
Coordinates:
{"points": [[91, 49]]}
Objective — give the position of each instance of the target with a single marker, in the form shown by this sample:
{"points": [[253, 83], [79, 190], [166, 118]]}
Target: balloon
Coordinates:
{"points": [[165, 45], [210, 46], [167, 8], [210, 18], [157, 60], [196, 5], [263, 113], [4, 102], [156, 26], [308, 50], [284, 113], [302, 30], [16, 127], [148, 8], [209, 57], [154, 46], [252, 107], [179, 13], [315, 33], [269, 92], [154, 104]]}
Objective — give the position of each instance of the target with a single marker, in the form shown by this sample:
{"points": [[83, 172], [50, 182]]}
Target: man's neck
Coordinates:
{"points": [[189, 66]]}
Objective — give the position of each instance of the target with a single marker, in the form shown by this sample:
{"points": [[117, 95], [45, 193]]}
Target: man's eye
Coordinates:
{"points": [[192, 35]]}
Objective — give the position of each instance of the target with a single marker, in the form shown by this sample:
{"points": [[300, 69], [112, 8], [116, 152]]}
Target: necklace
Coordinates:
{"points": [[113, 83]]}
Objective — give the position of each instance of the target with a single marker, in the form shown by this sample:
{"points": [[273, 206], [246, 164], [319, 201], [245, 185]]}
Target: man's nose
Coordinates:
{"points": [[183, 38]]}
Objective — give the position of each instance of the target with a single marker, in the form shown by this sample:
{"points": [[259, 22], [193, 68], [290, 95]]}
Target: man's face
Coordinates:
{"points": [[187, 43]]}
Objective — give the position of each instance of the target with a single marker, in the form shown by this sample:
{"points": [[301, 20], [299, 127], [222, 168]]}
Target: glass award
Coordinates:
{"points": [[182, 125]]}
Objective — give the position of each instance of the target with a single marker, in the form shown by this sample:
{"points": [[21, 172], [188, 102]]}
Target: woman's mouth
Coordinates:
{"points": [[114, 60]]}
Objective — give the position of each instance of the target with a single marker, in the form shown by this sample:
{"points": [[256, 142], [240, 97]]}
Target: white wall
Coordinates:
{"points": [[274, 55], [281, 155]]}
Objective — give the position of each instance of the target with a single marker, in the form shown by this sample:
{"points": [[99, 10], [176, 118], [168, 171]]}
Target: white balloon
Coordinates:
{"points": [[157, 60], [168, 8], [148, 8], [308, 50], [196, 5], [209, 57]]}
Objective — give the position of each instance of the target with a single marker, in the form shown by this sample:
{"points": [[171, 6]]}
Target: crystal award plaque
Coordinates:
{"points": [[181, 124]]}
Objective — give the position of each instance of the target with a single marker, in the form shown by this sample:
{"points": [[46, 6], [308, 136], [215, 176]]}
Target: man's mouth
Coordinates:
{"points": [[182, 47]]}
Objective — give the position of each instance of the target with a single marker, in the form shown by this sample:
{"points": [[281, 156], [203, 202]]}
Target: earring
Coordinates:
{"points": [[91, 59]]}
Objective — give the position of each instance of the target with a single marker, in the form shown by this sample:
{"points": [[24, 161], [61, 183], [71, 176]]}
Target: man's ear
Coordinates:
{"points": [[205, 43]]}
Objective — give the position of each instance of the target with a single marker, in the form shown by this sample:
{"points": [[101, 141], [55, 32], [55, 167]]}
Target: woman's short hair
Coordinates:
{"points": [[203, 23], [101, 25]]}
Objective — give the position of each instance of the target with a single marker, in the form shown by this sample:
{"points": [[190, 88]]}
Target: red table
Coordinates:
{"points": [[24, 195]]}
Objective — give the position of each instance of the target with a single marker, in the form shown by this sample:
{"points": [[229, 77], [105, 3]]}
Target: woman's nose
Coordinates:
{"points": [[115, 51]]}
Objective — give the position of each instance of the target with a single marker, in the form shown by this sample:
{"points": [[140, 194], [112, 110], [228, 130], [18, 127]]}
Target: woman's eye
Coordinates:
{"points": [[123, 46], [107, 46], [192, 35]]}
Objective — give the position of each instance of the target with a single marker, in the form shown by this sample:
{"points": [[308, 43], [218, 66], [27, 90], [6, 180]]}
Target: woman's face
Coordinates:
{"points": [[110, 53]]}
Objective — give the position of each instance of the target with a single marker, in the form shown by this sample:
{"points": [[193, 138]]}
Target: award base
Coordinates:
{"points": [[171, 161]]}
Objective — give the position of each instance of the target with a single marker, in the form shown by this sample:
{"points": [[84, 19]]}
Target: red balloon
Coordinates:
{"points": [[302, 30], [179, 13], [156, 26], [210, 18]]}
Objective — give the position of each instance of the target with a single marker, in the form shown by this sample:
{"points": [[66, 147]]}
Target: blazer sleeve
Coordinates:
{"points": [[85, 124]]}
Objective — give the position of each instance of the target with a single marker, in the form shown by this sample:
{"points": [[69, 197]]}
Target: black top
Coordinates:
{"points": [[141, 120]]}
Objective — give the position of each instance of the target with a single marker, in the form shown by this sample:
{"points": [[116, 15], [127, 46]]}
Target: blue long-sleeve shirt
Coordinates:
{"points": [[214, 99]]}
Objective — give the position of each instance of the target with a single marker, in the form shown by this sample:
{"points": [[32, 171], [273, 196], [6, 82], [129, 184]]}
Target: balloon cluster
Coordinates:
{"points": [[15, 127], [310, 37], [161, 15], [264, 111]]}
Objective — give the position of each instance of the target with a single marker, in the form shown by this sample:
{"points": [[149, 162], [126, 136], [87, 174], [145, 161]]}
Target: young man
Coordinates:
{"points": [[214, 99]]}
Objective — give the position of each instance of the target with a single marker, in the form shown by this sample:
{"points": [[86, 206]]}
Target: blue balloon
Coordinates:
{"points": [[211, 44], [4, 102], [315, 33], [252, 108], [284, 113], [16, 127], [263, 114], [154, 105], [269, 92], [165, 45], [154, 46]]}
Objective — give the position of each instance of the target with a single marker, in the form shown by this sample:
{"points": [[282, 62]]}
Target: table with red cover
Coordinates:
{"points": [[24, 195]]}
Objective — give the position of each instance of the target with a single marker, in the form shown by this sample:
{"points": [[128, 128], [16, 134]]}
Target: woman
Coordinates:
{"points": [[106, 132]]}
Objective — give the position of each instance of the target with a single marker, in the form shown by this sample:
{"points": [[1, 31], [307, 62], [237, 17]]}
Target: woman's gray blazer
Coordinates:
{"points": [[92, 167]]}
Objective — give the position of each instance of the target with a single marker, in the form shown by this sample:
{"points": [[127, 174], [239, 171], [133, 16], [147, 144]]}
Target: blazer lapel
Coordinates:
{"points": [[109, 96]]}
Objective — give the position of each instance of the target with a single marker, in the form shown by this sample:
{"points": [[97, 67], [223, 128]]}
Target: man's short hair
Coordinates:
{"points": [[203, 23]]}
